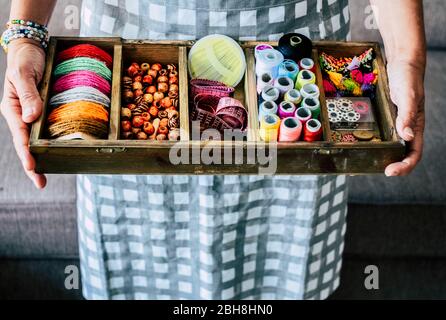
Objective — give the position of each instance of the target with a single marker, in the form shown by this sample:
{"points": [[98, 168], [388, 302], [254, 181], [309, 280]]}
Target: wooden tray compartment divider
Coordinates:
{"points": [[115, 156]]}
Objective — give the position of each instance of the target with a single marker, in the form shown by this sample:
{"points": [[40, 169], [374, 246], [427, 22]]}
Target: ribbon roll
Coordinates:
{"points": [[232, 112], [313, 105], [304, 77], [268, 61], [270, 94], [286, 109], [261, 47], [290, 130], [313, 130], [303, 114], [284, 84], [267, 107], [310, 90], [219, 113], [289, 68], [307, 64], [293, 96], [264, 80], [269, 128], [210, 87]]}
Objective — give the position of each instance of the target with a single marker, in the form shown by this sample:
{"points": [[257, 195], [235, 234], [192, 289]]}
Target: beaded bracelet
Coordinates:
{"points": [[20, 29]]}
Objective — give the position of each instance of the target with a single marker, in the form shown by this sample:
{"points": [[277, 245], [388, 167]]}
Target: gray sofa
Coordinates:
{"points": [[397, 224]]}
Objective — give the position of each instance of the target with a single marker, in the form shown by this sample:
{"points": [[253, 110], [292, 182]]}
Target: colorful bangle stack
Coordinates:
{"points": [[20, 29]]}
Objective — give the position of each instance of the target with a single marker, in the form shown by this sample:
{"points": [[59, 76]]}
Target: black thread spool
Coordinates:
{"points": [[295, 46]]}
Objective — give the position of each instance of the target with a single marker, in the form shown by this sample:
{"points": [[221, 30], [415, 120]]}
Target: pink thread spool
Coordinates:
{"points": [[303, 114], [290, 130], [361, 107], [307, 64], [286, 109], [82, 79]]}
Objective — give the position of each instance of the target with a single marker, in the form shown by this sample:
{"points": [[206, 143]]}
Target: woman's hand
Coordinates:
{"points": [[406, 80], [21, 104]]}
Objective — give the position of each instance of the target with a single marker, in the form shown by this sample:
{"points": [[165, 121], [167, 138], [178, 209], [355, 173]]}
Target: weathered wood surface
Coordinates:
{"points": [[114, 156]]}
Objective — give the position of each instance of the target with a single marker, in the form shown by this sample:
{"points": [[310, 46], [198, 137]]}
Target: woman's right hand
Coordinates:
{"points": [[21, 104]]}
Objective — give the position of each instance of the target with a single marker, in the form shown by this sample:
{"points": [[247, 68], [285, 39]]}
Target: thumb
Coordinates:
{"points": [[406, 119], [29, 97]]}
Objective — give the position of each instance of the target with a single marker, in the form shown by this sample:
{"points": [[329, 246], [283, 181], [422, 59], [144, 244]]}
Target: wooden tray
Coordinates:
{"points": [[115, 156]]}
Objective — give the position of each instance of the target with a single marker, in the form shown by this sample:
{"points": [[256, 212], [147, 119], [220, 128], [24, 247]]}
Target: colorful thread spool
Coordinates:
{"points": [[313, 105], [81, 79], [284, 84], [83, 64], [310, 90], [293, 96], [289, 68], [361, 107], [305, 77], [270, 94], [267, 107], [88, 51], [313, 130], [307, 64], [261, 47], [80, 93], [217, 57], [268, 61], [266, 79], [303, 114], [269, 128], [286, 109], [290, 130]]}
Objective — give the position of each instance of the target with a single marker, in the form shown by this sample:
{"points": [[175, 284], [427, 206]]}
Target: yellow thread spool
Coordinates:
{"points": [[269, 128], [305, 77]]}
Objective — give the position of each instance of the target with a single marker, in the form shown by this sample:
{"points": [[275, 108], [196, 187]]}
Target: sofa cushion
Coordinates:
{"points": [[38, 230], [427, 184]]}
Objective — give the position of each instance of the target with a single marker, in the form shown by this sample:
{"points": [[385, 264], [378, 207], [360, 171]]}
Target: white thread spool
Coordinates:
{"points": [[266, 79], [293, 96], [270, 93], [267, 107], [268, 61], [310, 90], [284, 84]]}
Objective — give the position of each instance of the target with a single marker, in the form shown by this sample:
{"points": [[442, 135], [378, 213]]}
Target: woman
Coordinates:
{"points": [[208, 237]]}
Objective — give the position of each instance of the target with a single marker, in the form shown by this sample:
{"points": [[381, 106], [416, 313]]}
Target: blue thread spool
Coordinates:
{"points": [[289, 69]]}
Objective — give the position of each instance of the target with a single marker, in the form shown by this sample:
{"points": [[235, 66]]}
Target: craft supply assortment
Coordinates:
{"points": [[350, 88], [80, 105], [150, 100], [288, 94], [216, 66], [289, 98], [108, 101]]}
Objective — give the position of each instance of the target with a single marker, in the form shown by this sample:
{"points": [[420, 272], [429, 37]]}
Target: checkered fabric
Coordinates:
{"points": [[212, 237], [193, 19]]}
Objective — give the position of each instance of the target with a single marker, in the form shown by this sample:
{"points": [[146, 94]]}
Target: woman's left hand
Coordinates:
{"points": [[406, 81]]}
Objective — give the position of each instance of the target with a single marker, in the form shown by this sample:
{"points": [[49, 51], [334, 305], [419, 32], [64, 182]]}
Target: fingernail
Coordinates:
{"points": [[392, 173], [409, 132], [28, 112]]}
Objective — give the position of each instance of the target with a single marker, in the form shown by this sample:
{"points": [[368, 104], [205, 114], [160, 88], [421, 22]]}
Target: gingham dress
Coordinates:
{"points": [[212, 237]]}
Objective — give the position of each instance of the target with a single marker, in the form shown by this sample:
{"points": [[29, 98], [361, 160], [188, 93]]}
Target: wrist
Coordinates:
{"points": [[415, 55], [19, 43], [22, 29]]}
